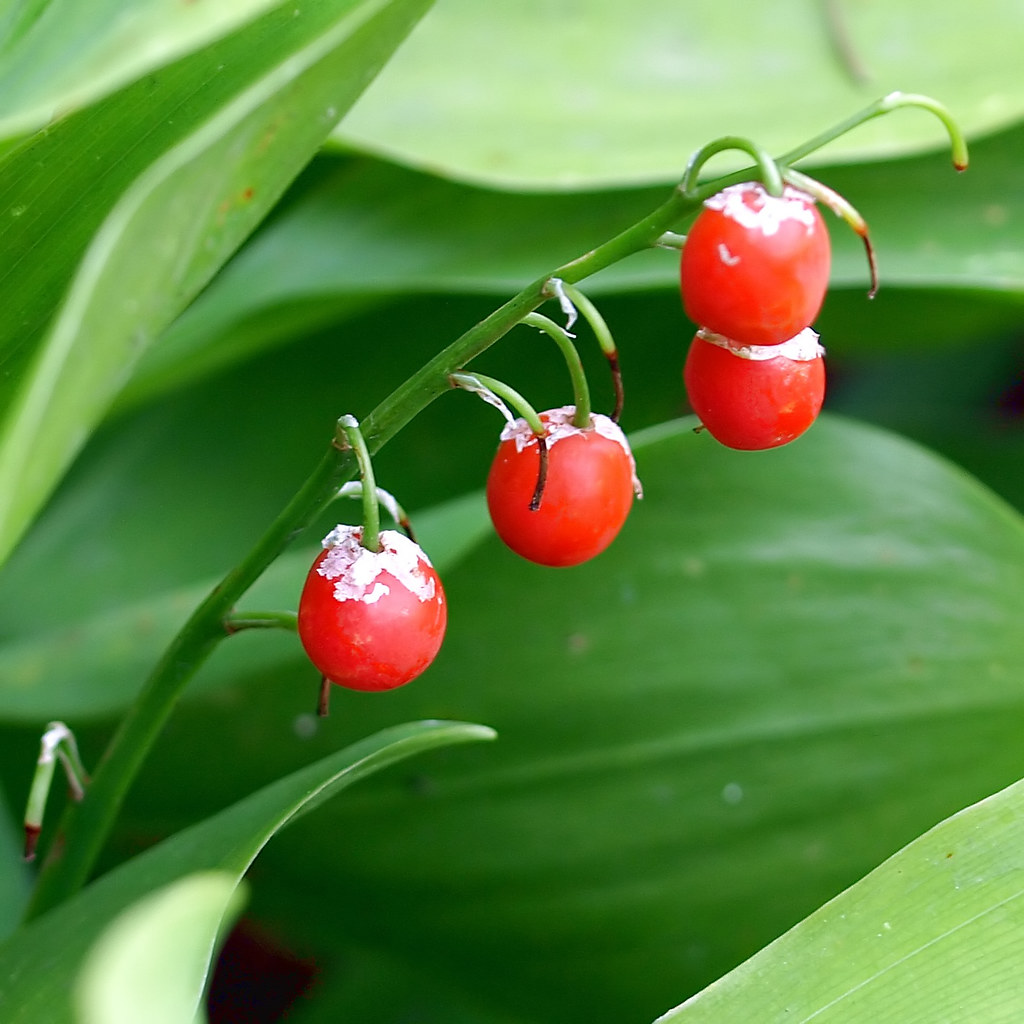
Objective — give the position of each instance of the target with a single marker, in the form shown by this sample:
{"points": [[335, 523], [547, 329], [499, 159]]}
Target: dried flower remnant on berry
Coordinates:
{"points": [[356, 572]]}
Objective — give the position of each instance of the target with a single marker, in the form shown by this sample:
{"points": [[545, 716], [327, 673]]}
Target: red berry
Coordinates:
{"points": [[591, 480], [371, 620], [755, 266], [753, 397]]}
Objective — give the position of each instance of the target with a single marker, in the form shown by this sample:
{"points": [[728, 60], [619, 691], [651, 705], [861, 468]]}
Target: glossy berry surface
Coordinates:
{"points": [[754, 398], [371, 620], [591, 480], [754, 266]]}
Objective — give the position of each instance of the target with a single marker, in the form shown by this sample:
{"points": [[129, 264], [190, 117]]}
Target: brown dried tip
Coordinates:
{"points": [[620, 394], [542, 474], [31, 840], [869, 250], [323, 704]]}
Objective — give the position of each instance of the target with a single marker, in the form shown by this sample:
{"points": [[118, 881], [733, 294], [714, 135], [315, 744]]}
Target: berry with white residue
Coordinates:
{"points": [[371, 620]]}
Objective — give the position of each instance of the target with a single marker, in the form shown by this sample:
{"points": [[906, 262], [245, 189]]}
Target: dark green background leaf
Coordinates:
{"points": [[787, 666]]}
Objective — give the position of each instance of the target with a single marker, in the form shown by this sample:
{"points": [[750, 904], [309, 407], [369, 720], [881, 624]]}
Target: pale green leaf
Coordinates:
{"points": [[548, 94], [931, 935], [152, 962], [57, 56], [175, 224]]}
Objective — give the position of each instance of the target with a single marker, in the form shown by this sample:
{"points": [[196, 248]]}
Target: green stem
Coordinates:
{"points": [[580, 388], [498, 393], [85, 825], [886, 105], [599, 326], [238, 621], [349, 434], [770, 174], [385, 500]]}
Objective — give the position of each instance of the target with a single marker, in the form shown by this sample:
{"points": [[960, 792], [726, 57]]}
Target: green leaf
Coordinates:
{"points": [[929, 935], [40, 961], [788, 665], [152, 961], [618, 94], [58, 55], [169, 228]]}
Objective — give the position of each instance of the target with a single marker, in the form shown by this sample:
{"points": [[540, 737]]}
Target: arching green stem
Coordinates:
{"points": [[385, 499], [580, 388], [769, 170], [490, 388], [349, 435], [603, 333], [497, 393], [57, 744], [886, 105]]}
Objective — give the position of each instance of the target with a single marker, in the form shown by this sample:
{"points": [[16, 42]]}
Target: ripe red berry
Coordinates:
{"points": [[591, 480], [753, 397], [755, 266], [371, 620]]}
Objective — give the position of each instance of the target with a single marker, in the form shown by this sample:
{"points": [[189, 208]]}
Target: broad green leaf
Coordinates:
{"points": [[39, 962], [59, 55], [788, 665], [153, 960], [539, 94], [170, 230], [932, 935], [364, 231]]}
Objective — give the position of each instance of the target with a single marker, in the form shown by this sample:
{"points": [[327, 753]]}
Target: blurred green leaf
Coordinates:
{"points": [[152, 961], [932, 934], [362, 231], [40, 961], [540, 94], [58, 55], [789, 665], [169, 226]]}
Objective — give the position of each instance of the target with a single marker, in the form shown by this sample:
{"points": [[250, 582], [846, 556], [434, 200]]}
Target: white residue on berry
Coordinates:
{"points": [[727, 257], [768, 212], [356, 571], [558, 426], [801, 348]]}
